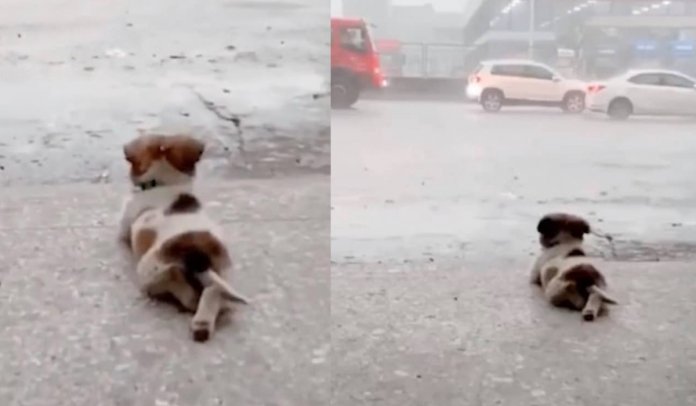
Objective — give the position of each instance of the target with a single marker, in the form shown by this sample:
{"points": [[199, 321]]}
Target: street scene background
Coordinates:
{"points": [[434, 213], [435, 205]]}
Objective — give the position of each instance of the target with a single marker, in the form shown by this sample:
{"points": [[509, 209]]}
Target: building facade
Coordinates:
{"points": [[418, 40], [604, 37]]}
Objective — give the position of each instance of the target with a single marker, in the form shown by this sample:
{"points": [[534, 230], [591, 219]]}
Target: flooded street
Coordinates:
{"points": [[415, 180]]}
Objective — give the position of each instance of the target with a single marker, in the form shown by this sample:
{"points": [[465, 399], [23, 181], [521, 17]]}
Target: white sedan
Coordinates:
{"points": [[644, 92]]}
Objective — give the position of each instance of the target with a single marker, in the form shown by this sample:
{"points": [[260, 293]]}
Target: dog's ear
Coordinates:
{"points": [[130, 150], [576, 226], [548, 226], [183, 152], [142, 151]]}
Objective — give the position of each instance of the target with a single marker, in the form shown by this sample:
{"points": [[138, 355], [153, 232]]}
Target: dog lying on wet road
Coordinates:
{"points": [[565, 273], [179, 250]]}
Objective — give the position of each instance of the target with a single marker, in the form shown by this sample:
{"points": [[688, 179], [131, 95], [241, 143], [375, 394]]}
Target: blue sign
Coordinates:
{"points": [[607, 51], [645, 46], [683, 48]]}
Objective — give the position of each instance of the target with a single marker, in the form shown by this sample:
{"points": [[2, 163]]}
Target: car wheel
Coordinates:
{"points": [[620, 109], [345, 91], [492, 100], [574, 103]]}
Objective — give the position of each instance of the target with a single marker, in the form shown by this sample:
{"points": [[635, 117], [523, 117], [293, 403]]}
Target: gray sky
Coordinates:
{"points": [[440, 5]]}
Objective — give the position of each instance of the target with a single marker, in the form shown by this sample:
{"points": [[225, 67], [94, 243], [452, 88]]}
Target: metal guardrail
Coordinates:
{"points": [[419, 60]]}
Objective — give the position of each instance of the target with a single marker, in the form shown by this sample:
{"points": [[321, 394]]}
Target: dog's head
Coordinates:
{"points": [[163, 159], [558, 228]]}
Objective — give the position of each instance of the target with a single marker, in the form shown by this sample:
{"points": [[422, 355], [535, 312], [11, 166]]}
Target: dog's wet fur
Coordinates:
{"points": [[565, 273]]}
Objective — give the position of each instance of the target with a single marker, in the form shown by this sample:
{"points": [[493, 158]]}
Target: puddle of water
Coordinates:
{"points": [[500, 229]]}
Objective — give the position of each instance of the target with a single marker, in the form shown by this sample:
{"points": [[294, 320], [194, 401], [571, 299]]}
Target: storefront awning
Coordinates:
{"points": [[642, 22]]}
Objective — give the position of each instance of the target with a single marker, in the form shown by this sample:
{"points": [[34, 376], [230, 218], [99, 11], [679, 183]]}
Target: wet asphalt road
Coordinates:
{"points": [[429, 181]]}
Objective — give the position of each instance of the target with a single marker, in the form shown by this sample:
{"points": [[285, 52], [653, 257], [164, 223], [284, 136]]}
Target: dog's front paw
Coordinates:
{"points": [[201, 330]]}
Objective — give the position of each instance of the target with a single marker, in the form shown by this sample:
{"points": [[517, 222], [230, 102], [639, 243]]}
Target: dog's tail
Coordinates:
{"points": [[594, 289], [594, 302], [588, 279], [198, 267]]}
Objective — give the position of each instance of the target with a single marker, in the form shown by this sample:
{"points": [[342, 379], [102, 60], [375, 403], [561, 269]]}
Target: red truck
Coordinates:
{"points": [[354, 62]]}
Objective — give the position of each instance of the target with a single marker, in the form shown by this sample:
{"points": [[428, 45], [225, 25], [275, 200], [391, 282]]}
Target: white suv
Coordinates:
{"points": [[495, 84]]}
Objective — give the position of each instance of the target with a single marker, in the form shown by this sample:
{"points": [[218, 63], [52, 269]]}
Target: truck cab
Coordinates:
{"points": [[354, 62]]}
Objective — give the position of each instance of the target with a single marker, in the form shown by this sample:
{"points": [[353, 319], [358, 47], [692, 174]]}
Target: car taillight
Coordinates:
{"points": [[594, 88], [474, 79]]}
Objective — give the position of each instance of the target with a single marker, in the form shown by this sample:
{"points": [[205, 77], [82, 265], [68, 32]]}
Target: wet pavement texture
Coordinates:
{"points": [[79, 79], [447, 333], [413, 180], [76, 331], [434, 213]]}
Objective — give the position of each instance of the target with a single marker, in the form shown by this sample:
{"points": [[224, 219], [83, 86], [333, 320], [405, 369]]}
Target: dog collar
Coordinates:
{"points": [[150, 184]]}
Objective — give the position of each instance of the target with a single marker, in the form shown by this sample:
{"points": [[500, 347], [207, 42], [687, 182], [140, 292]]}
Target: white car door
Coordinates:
{"points": [[645, 92], [680, 93], [542, 84], [510, 79]]}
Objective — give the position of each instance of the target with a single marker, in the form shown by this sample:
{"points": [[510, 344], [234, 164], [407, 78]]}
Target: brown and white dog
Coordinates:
{"points": [[179, 250], [565, 273]]}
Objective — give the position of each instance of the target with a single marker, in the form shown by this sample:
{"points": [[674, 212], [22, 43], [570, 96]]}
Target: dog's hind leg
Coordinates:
{"points": [[562, 293], [182, 290], [156, 279], [592, 307], [209, 306]]}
